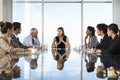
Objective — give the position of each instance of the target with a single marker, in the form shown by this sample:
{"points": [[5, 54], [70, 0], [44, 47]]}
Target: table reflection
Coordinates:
{"points": [[108, 67], [70, 65], [12, 71], [60, 55], [90, 60]]}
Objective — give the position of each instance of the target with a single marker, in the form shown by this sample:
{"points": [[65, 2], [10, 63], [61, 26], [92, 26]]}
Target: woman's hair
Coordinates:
{"points": [[92, 30], [61, 28], [60, 64], [6, 26], [90, 66], [1, 23], [113, 27]]}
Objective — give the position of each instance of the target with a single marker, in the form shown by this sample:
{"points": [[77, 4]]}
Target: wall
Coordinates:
{"points": [[116, 12], [6, 10], [1, 10]]}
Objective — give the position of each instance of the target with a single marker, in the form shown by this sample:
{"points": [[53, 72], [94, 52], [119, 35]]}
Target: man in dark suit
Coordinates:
{"points": [[17, 30], [105, 40]]}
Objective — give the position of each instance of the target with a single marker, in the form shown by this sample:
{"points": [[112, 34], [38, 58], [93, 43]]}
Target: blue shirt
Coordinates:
{"points": [[29, 41]]}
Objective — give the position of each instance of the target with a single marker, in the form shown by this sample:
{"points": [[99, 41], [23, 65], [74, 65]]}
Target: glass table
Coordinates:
{"points": [[51, 65]]}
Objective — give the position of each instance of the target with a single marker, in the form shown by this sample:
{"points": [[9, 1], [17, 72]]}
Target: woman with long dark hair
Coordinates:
{"points": [[114, 47], [61, 40], [92, 39]]}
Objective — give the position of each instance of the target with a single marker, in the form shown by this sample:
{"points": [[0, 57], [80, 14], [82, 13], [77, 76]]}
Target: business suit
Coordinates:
{"points": [[108, 60], [92, 41], [7, 51], [17, 42], [111, 55], [114, 47], [104, 43]]}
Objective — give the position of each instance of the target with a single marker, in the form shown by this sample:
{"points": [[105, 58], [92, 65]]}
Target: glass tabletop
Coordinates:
{"points": [[62, 64]]}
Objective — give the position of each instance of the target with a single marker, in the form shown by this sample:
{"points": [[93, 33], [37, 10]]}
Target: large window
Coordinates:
{"points": [[97, 0], [73, 15], [97, 13], [29, 15], [64, 15], [48, 16]]}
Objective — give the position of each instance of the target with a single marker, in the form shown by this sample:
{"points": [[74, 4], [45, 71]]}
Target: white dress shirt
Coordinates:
{"points": [[28, 41]]}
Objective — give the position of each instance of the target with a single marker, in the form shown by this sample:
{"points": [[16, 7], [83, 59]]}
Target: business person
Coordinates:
{"points": [[7, 49], [92, 39], [61, 40], [105, 40], [32, 39], [17, 30], [114, 47]]}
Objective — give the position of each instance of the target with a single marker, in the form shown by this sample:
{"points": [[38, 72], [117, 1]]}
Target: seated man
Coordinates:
{"points": [[17, 30], [32, 39], [105, 40]]}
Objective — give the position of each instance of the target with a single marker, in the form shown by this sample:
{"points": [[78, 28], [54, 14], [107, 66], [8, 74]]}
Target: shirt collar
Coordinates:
{"points": [[9, 39], [15, 35], [102, 36]]}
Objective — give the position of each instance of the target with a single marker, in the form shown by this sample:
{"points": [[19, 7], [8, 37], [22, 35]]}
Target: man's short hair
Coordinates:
{"points": [[16, 25], [102, 27], [34, 30]]}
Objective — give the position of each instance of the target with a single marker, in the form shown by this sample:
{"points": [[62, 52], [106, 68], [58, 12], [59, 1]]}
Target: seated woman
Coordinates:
{"points": [[115, 42], [61, 41], [114, 49], [92, 39], [7, 47]]}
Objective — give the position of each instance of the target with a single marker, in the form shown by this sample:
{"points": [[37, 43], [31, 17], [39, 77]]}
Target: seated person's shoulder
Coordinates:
{"points": [[65, 36], [107, 38], [27, 37]]}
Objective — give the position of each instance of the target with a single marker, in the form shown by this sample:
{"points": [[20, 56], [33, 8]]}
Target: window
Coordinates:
{"points": [[48, 15], [29, 14], [67, 16], [97, 13]]}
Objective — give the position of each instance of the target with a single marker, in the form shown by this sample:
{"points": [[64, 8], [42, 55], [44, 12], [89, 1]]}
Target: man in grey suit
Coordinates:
{"points": [[17, 30]]}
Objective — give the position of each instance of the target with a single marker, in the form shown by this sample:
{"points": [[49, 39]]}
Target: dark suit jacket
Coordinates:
{"points": [[17, 42], [104, 44], [114, 47], [111, 56]]}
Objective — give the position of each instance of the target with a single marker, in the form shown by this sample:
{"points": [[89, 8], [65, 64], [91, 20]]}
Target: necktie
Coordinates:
{"points": [[101, 40], [17, 38], [33, 41]]}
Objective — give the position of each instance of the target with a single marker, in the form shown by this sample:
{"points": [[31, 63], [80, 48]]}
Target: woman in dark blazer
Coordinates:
{"points": [[114, 47], [113, 50]]}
